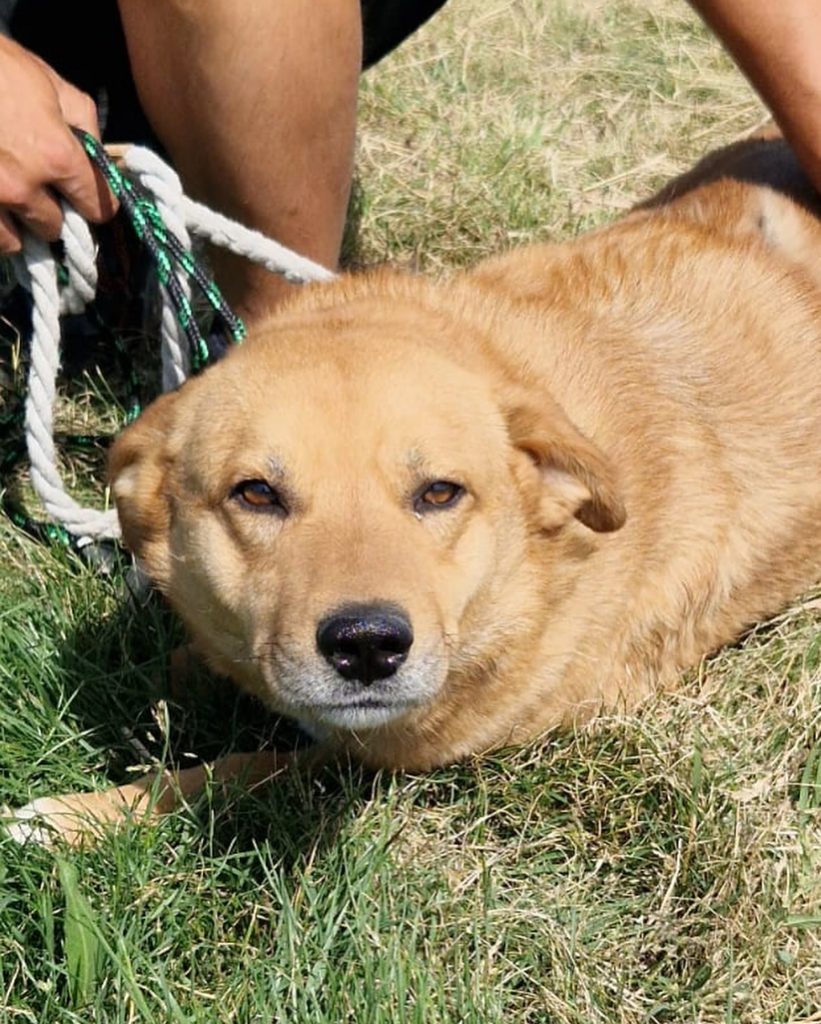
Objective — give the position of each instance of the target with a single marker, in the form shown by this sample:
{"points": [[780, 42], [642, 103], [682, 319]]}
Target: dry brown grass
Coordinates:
{"points": [[510, 121]]}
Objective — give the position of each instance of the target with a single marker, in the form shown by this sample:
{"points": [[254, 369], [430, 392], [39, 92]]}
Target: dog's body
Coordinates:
{"points": [[430, 519]]}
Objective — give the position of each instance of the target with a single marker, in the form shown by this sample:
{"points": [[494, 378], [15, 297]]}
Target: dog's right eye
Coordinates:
{"points": [[259, 496]]}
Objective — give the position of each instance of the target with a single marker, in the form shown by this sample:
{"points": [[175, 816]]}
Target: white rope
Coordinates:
{"points": [[158, 178], [37, 271]]}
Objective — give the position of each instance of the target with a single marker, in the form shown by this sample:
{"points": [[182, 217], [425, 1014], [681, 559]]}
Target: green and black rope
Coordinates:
{"points": [[167, 253]]}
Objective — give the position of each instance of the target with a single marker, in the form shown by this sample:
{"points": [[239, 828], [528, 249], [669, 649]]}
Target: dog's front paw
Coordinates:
{"points": [[74, 819], [48, 821]]}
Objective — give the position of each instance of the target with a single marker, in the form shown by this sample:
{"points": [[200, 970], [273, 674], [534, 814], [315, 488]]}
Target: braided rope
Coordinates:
{"points": [[42, 392], [81, 263], [172, 215], [174, 350], [156, 177]]}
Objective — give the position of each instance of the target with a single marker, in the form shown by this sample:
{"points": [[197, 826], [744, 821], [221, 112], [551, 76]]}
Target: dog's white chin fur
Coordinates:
{"points": [[355, 717], [317, 701]]}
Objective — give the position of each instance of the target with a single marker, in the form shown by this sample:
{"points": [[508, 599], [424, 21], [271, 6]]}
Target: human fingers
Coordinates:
{"points": [[25, 201], [39, 211], [39, 155], [76, 178], [10, 241], [80, 181]]}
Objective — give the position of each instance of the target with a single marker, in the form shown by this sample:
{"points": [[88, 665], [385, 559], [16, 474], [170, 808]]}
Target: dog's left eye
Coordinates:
{"points": [[439, 494], [257, 494]]}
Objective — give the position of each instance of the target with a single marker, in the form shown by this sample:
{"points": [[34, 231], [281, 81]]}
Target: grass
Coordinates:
{"points": [[663, 867]]}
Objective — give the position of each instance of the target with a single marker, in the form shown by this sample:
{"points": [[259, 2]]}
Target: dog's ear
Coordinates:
{"points": [[565, 473], [138, 468]]}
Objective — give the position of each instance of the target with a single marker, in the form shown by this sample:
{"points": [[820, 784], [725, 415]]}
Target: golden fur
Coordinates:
{"points": [[635, 418]]}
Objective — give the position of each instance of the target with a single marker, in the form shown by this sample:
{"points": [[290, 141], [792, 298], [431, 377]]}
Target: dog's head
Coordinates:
{"points": [[339, 510]]}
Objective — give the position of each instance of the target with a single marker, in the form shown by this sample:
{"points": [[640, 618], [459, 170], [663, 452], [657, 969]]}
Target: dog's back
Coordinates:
{"points": [[695, 364]]}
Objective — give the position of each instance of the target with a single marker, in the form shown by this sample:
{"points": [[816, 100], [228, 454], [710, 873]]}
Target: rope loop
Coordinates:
{"points": [[163, 218]]}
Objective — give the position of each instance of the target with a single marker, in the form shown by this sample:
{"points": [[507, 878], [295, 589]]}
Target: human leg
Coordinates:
{"points": [[256, 105]]}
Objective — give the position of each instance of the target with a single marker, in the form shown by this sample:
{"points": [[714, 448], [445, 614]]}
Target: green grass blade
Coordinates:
{"points": [[82, 949]]}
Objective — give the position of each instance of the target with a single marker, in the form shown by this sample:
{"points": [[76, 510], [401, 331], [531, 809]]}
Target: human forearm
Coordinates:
{"points": [[778, 47]]}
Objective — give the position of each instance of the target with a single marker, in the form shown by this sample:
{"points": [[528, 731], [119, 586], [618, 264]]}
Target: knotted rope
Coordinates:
{"points": [[164, 217]]}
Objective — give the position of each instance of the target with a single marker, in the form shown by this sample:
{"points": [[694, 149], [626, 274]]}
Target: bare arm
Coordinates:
{"points": [[39, 157], [778, 47]]}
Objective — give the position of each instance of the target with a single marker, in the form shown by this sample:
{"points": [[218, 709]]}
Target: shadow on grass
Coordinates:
{"points": [[117, 673], [113, 668]]}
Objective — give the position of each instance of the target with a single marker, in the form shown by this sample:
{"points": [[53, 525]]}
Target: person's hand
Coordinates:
{"points": [[40, 158]]}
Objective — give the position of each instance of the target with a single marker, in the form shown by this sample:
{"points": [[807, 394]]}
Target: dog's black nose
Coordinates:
{"points": [[365, 642]]}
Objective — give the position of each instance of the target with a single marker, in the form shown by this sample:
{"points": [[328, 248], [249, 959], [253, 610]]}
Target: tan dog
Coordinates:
{"points": [[430, 519]]}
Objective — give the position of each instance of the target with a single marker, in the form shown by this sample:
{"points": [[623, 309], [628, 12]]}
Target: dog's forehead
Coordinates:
{"points": [[362, 392], [348, 371]]}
